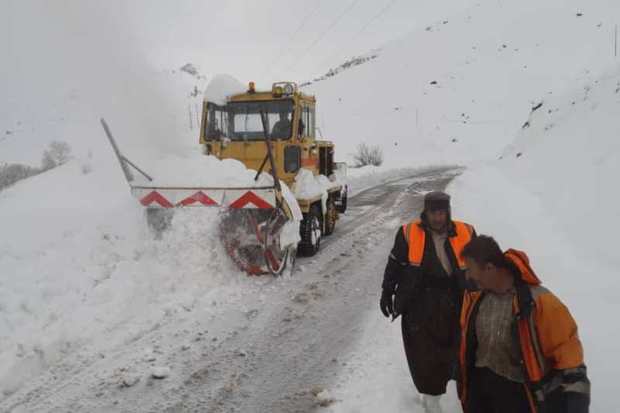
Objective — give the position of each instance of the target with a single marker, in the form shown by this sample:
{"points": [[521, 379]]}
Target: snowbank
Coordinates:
{"points": [[360, 179], [552, 195], [81, 273]]}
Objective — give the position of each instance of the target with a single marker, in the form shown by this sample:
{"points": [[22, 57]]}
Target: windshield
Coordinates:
{"points": [[240, 121]]}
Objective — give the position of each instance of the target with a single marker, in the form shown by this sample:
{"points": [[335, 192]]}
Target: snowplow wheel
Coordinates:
{"points": [[310, 231], [330, 217], [285, 264], [277, 258], [342, 207]]}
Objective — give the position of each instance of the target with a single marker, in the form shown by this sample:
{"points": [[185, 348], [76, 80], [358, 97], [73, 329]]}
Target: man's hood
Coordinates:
{"points": [[522, 262]]}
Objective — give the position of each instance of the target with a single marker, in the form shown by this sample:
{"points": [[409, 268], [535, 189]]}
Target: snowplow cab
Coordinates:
{"points": [[236, 129]]}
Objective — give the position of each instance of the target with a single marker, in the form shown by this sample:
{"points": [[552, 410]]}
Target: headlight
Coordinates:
{"points": [[277, 91]]}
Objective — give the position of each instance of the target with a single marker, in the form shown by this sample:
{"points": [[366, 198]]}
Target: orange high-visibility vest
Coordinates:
{"points": [[416, 239]]}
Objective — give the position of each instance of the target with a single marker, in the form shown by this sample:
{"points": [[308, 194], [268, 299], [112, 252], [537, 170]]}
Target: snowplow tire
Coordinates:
{"points": [[310, 231], [330, 217], [342, 207]]}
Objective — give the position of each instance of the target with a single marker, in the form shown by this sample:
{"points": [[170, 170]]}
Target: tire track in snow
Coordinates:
{"points": [[342, 284]]}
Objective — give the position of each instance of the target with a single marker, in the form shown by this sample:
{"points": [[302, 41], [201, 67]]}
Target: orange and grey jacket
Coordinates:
{"points": [[551, 352]]}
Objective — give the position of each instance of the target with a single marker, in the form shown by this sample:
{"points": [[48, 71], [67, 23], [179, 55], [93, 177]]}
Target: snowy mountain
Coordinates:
{"points": [[350, 63], [457, 89]]}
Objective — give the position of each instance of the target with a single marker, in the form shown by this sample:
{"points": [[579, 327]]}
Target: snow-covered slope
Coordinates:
{"points": [[568, 155], [82, 274], [457, 90], [552, 194]]}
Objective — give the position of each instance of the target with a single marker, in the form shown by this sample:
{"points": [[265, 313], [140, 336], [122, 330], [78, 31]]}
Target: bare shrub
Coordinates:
{"points": [[368, 155], [11, 173], [56, 154]]}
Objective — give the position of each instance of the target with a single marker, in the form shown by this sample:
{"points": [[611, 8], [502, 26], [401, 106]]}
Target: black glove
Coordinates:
{"points": [[577, 402], [568, 402], [387, 303]]}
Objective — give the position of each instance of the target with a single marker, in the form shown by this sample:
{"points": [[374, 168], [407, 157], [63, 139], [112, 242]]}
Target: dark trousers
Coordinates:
{"points": [[491, 393], [431, 363]]}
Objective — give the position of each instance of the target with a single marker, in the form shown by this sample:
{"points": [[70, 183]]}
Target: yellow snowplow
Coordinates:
{"points": [[263, 226]]}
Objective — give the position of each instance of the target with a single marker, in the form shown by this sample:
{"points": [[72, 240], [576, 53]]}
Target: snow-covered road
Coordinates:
{"points": [[273, 350]]}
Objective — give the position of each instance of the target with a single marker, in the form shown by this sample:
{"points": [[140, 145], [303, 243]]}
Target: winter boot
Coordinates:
{"points": [[431, 403]]}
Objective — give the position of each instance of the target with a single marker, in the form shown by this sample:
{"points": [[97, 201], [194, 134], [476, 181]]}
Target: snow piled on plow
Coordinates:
{"points": [[195, 169], [221, 87], [308, 186]]}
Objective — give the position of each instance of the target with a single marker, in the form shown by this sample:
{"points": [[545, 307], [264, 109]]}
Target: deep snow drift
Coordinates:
{"points": [[84, 272]]}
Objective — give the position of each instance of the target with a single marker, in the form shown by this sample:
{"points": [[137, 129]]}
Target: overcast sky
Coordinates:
{"points": [[250, 39], [55, 52], [266, 39]]}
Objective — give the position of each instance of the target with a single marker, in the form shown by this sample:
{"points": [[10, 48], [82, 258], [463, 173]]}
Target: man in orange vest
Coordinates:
{"points": [[519, 348], [424, 281]]}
